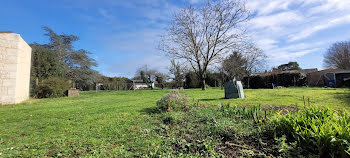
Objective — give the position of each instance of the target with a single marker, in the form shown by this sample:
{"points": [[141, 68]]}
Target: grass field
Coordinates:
{"points": [[119, 123]]}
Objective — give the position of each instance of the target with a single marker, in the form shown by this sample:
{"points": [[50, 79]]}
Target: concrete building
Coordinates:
{"points": [[15, 63]]}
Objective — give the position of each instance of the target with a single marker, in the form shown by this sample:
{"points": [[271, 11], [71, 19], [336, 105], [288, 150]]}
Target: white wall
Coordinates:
{"points": [[15, 63]]}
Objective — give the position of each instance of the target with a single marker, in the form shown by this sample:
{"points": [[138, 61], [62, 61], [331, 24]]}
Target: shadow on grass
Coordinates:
{"points": [[211, 99], [343, 96], [152, 110]]}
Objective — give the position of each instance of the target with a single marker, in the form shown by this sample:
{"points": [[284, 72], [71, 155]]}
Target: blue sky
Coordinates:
{"points": [[123, 34]]}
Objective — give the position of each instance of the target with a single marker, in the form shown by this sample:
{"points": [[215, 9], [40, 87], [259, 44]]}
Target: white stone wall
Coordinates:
{"points": [[15, 63]]}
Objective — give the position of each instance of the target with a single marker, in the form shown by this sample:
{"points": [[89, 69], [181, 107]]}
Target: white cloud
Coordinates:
{"points": [[309, 31], [289, 29], [276, 20]]}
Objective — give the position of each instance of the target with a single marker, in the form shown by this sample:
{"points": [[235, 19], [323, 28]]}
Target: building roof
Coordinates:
{"points": [[307, 71]]}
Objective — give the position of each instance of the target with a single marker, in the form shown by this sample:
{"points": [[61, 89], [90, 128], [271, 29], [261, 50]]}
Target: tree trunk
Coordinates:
{"points": [[203, 84]]}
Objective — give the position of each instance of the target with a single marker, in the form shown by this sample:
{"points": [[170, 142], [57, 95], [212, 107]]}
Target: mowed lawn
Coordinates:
{"points": [[119, 123]]}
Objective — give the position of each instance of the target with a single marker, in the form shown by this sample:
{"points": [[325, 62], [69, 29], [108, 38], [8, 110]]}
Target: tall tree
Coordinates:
{"points": [[235, 66], [203, 35], [61, 44], [76, 64], [245, 60], [338, 56]]}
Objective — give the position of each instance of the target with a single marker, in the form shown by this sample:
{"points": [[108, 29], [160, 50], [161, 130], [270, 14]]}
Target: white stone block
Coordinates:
{"points": [[15, 63]]}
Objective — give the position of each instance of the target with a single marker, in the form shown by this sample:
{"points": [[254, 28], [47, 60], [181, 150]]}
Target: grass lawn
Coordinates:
{"points": [[119, 123]]}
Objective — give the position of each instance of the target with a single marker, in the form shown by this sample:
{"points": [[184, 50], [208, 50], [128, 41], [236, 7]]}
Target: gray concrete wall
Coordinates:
{"points": [[15, 63]]}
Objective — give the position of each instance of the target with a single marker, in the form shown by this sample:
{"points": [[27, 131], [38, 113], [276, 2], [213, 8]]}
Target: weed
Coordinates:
{"points": [[316, 130], [173, 101]]}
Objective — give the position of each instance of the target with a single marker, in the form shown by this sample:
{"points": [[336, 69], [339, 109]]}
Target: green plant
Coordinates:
{"points": [[252, 112], [173, 101], [52, 88], [318, 131]]}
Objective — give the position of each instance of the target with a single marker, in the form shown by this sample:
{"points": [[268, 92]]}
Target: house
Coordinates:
{"points": [[329, 78], [140, 84]]}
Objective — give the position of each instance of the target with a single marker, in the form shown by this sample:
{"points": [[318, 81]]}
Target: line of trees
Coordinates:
{"points": [[208, 46]]}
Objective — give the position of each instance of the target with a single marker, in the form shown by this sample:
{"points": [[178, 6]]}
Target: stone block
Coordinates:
{"points": [[73, 93], [233, 89], [15, 63]]}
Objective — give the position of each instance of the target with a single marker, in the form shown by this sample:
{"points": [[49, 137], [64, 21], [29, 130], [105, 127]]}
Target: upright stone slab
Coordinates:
{"points": [[233, 89], [15, 62], [240, 89]]}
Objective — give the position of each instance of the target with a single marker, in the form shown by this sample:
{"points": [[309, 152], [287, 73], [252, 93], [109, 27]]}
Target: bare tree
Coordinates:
{"points": [[203, 35], [255, 58], [178, 71], [338, 56]]}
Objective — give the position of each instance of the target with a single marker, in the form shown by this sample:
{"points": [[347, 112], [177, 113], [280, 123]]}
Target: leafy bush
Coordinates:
{"points": [[318, 131], [173, 101], [52, 88]]}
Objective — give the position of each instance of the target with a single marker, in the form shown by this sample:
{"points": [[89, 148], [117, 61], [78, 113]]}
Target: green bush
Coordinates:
{"points": [[173, 101], [52, 88], [321, 132]]}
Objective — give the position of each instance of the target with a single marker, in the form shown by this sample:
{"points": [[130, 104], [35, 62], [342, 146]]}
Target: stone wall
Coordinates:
{"points": [[15, 62]]}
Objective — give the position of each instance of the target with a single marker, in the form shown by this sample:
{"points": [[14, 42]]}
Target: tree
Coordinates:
{"points": [[79, 64], [203, 35], [255, 58], [76, 64], [161, 78], [235, 66], [289, 66], [61, 44], [144, 78], [44, 64], [245, 60], [338, 56], [178, 71]]}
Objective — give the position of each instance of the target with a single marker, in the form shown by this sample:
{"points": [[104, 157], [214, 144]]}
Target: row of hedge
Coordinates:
{"points": [[284, 79]]}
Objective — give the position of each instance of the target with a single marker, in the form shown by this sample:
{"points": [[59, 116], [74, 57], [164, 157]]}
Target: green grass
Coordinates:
{"points": [[324, 97], [119, 123]]}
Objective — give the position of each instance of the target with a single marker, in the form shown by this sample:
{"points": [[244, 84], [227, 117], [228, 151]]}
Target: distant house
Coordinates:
{"points": [[140, 84], [330, 78]]}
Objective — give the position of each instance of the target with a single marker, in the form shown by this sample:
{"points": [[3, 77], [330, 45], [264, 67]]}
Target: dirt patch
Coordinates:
{"points": [[249, 146]]}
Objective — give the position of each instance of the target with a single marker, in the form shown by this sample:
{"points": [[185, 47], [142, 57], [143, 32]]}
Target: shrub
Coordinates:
{"points": [[173, 101], [318, 131], [52, 88]]}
